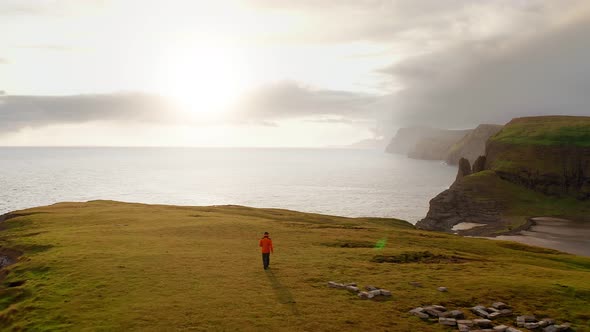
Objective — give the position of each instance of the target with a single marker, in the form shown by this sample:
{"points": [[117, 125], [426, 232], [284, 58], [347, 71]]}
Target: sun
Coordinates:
{"points": [[204, 81]]}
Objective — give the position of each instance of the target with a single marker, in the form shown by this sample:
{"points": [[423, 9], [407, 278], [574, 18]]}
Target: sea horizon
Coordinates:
{"points": [[335, 181]]}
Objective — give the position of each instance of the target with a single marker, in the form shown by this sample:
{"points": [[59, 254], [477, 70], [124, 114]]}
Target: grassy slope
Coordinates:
{"points": [[522, 203], [547, 131], [113, 266]]}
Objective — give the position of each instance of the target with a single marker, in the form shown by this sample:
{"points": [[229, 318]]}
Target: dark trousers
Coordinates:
{"points": [[266, 260]]}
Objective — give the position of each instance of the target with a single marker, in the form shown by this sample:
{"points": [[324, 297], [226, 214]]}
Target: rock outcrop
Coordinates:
{"points": [[472, 145], [464, 169], [479, 165], [538, 166]]}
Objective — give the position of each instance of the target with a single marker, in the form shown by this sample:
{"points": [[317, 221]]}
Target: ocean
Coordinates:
{"points": [[345, 182]]}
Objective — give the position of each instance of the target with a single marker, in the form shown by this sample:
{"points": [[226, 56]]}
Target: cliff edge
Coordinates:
{"points": [[534, 166], [471, 145]]}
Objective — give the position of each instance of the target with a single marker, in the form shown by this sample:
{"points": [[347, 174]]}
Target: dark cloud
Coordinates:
{"points": [[492, 81], [288, 99], [17, 112]]}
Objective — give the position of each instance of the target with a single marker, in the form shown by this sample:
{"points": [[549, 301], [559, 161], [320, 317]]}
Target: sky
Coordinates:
{"points": [[282, 73]]}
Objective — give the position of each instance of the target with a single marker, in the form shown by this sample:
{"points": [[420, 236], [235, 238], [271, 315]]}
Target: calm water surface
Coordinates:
{"points": [[331, 181]]}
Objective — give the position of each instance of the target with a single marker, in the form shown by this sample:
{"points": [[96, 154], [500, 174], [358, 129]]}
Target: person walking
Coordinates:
{"points": [[266, 245]]}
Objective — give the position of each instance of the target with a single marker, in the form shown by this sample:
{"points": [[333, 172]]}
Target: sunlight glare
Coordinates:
{"points": [[204, 81]]}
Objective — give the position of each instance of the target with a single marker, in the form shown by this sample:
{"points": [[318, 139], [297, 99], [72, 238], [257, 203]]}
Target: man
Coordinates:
{"points": [[266, 245]]}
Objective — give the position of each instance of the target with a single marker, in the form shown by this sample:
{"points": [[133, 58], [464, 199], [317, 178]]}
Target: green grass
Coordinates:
{"points": [[546, 131], [520, 203], [105, 266]]}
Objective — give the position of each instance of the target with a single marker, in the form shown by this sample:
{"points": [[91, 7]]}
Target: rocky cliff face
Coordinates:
{"points": [[538, 166], [424, 143], [472, 145]]}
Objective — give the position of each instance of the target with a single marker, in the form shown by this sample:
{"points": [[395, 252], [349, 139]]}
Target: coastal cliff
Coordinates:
{"points": [[534, 166], [424, 143], [442, 144], [472, 145]]}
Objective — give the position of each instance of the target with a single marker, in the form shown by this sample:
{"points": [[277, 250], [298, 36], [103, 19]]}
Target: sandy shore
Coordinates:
{"points": [[554, 233]]}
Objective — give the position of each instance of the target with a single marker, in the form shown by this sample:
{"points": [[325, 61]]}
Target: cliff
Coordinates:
{"points": [[471, 145], [424, 143], [535, 166]]}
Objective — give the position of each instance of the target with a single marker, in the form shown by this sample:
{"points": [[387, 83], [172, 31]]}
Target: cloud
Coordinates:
{"points": [[48, 47], [264, 106], [51, 7], [424, 23], [18, 112], [287, 99], [495, 80], [4, 61]]}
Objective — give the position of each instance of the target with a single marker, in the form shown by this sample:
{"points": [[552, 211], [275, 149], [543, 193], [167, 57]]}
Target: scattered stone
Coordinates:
{"points": [[385, 292], [445, 314], [443, 289], [500, 328], [363, 295], [480, 311], [439, 307], [492, 310], [463, 327], [447, 321], [433, 312], [370, 295], [457, 314], [467, 322], [512, 329], [482, 322], [531, 326], [505, 312], [332, 284], [416, 284], [375, 292], [521, 320], [500, 305], [371, 288], [419, 312], [557, 328], [351, 284], [494, 315], [352, 289], [546, 322]]}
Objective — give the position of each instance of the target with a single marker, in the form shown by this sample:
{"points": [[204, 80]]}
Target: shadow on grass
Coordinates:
{"points": [[283, 294]]}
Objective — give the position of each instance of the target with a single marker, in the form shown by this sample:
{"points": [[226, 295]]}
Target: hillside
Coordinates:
{"points": [[106, 265], [537, 166], [441, 144], [471, 145], [424, 142]]}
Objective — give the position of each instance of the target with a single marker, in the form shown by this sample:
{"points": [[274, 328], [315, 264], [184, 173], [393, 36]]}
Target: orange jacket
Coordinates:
{"points": [[266, 245]]}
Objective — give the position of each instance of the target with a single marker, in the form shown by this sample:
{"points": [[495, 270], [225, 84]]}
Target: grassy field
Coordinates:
{"points": [[105, 265], [547, 131]]}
